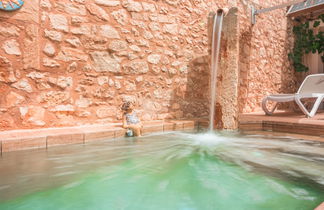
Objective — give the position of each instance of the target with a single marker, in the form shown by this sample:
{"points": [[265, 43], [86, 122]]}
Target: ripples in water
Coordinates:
{"points": [[286, 158]]}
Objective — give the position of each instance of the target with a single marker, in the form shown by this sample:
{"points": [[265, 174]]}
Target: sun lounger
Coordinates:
{"points": [[312, 87]]}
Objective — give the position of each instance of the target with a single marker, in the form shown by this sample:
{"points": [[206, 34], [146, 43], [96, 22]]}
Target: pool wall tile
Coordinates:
{"points": [[168, 126], [188, 125], [178, 126], [152, 128], [288, 127], [284, 122], [23, 144], [120, 132], [47, 137], [98, 135], [202, 125], [76, 138], [252, 126]]}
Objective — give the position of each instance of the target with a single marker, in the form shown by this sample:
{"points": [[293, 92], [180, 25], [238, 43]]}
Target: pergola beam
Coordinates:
{"points": [[315, 8], [255, 12]]}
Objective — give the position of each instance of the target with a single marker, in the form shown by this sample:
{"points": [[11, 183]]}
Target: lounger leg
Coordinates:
{"points": [[265, 109], [315, 106], [314, 109]]}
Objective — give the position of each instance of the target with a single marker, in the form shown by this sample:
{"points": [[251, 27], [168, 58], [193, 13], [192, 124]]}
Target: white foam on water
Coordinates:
{"points": [[290, 156], [208, 139]]}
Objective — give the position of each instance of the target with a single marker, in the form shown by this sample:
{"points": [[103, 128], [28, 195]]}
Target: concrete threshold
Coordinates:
{"points": [[15, 140]]}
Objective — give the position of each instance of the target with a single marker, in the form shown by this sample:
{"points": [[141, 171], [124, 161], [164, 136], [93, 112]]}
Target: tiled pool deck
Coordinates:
{"points": [[286, 122]]}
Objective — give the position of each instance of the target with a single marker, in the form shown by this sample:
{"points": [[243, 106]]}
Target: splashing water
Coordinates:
{"points": [[172, 171], [207, 139]]}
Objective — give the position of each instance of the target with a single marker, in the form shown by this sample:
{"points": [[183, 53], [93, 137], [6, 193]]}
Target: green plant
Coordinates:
{"points": [[305, 42]]}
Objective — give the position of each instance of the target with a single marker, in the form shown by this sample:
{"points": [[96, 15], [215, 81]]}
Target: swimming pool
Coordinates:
{"points": [[171, 171]]}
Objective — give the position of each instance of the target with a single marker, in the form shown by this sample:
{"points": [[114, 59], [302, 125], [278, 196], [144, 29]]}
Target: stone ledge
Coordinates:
{"points": [[15, 140]]}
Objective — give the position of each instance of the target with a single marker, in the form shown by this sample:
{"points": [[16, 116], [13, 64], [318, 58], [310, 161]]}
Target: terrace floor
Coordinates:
{"points": [[286, 122]]}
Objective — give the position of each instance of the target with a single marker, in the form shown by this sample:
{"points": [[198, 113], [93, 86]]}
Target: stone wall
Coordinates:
{"points": [[264, 65], [74, 62]]}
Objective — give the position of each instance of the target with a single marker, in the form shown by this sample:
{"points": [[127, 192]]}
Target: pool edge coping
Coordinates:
{"points": [[44, 138]]}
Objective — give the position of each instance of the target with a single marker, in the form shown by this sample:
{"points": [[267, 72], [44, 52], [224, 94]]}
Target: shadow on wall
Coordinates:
{"points": [[244, 67], [289, 82], [263, 55], [190, 96], [189, 93], [295, 80]]}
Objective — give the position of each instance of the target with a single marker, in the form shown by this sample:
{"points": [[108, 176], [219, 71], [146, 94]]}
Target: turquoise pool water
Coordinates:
{"points": [[170, 171]]}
